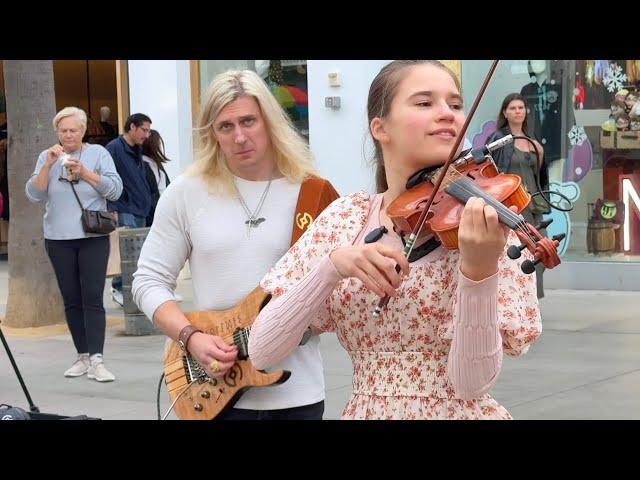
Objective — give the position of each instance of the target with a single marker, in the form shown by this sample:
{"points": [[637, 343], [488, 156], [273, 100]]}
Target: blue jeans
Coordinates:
{"points": [[306, 412], [131, 221]]}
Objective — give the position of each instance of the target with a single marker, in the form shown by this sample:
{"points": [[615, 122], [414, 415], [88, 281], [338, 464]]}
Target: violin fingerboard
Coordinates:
{"points": [[463, 189]]}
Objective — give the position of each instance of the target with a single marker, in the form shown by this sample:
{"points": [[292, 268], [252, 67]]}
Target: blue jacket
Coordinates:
{"points": [[136, 195]]}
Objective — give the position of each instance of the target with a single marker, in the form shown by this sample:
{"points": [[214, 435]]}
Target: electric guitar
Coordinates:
{"points": [[194, 394]]}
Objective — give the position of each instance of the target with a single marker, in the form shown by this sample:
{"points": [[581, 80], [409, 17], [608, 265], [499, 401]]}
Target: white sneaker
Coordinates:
{"points": [[177, 297], [80, 366], [97, 370], [116, 296]]}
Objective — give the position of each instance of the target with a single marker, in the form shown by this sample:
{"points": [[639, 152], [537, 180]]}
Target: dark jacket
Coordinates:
{"points": [[136, 195], [155, 193]]}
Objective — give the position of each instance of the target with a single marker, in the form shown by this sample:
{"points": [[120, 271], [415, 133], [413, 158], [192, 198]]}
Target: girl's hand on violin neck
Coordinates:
{"points": [[374, 264], [481, 239]]}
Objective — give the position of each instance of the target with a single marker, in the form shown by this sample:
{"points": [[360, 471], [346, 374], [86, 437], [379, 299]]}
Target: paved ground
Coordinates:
{"points": [[586, 365]]}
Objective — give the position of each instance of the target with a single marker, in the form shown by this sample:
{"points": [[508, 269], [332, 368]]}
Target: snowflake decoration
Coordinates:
{"points": [[614, 79], [576, 135]]}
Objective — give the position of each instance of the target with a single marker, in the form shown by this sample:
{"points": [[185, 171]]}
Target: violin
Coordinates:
{"points": [[474, 175]]}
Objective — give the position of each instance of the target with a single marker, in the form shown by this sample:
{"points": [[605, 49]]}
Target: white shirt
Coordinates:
{"points": [[210, 232]]}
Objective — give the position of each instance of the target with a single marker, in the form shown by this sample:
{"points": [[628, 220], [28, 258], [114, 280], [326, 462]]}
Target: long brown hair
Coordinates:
{"points": [[502, 120], [153, 147], [381, 94]]}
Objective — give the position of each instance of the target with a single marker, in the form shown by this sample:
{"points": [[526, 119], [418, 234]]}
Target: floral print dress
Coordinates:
{"points": [[400, 358]]}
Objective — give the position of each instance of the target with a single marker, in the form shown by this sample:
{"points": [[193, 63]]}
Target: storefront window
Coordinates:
{"points": [[586, 115], [287, 80], [90, 85]]}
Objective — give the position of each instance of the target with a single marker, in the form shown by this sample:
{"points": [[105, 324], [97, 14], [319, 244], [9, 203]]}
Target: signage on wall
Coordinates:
{"points": [[630, 187], [612, 210], [608, 210]]}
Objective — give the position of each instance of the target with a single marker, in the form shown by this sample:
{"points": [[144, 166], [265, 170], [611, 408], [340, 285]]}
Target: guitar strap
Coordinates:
{"points": [[315, 195]]}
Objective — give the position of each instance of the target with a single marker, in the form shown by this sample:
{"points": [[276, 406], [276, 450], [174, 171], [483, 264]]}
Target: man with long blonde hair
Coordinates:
{"points": [[232, 216]]}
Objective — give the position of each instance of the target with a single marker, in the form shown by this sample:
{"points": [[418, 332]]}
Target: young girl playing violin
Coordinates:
{"points": [[436, 349]]}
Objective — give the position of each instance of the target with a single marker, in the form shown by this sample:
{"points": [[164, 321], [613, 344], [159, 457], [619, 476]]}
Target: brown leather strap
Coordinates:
{"points": [[315, 195], [185, 335]]}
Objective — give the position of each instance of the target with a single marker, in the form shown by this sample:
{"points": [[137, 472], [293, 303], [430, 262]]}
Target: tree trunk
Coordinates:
{"points": [[34, 297]]}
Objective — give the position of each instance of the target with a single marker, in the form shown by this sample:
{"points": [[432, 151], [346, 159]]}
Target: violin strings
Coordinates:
{"points": [[453, 175], [521, 224]]}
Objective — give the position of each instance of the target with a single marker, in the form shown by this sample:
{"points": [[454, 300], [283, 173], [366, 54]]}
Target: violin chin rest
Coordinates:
{"points": [[418, 177]]}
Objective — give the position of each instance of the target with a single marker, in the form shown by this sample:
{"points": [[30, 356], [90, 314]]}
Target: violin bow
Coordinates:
{"points": [[408, 248]]}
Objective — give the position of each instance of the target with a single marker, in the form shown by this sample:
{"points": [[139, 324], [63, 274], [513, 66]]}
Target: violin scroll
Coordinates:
{"points": [[513, 252], [544, 249]]}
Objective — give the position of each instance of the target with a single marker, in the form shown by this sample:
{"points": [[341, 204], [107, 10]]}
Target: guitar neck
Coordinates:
{"points": [[241, 340]]}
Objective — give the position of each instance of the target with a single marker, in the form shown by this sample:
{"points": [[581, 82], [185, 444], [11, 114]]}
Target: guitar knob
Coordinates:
{"points": [[197, 407], [205, 394], [213, 381]]}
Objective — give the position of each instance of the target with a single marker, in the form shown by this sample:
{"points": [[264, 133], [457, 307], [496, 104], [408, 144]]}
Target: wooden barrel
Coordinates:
{"points": [[601, 236]]}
